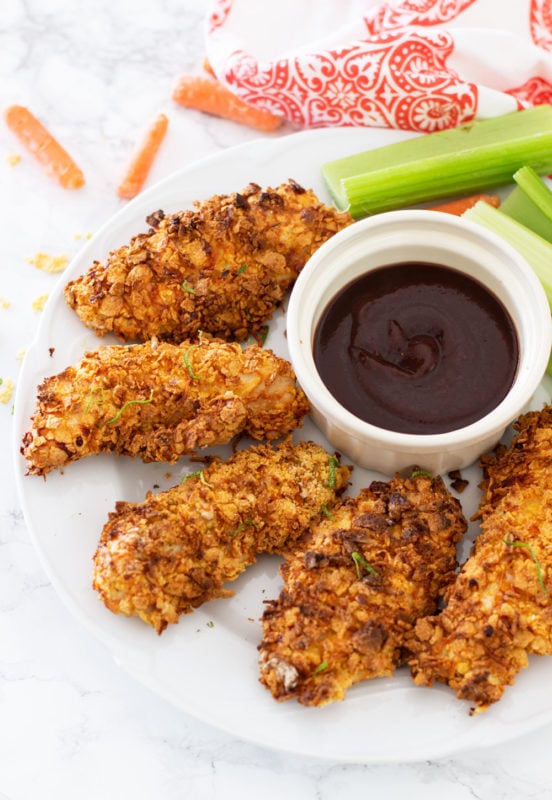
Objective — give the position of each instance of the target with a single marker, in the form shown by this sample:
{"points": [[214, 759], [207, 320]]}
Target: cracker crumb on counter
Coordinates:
{"points": [[40, 302], [21, 353], [4, 303], [6, 390], [49, 263], [13, 159]]}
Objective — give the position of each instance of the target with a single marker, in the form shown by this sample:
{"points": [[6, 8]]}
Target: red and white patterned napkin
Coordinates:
{"points": [[418, 65]]}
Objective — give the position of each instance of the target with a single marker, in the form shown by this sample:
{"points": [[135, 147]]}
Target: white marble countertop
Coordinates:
{"points": [[72, 723]]}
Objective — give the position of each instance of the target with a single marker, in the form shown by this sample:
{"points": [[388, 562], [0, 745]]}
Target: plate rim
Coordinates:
{"points": [[262, 146]]}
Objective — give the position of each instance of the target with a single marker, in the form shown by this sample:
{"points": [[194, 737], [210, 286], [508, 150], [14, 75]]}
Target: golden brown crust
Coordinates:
{"points": [[355, 585], [499, 608], [167, 555], [159, 401], [222, 267]]}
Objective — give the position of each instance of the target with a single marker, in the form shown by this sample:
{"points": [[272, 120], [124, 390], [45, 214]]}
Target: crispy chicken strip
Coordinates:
{"points": [[355, 585], [222, 267], [159, 401], [174, 551], [499, 609]]}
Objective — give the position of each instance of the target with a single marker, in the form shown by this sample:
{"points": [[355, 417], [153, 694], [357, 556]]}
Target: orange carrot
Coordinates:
{"points": [[208, 68], [205, 94], [144, 156], [40, 142], [462, 204]]}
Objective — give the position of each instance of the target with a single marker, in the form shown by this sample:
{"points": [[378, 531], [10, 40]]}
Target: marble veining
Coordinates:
{"points": [[72, 723]]}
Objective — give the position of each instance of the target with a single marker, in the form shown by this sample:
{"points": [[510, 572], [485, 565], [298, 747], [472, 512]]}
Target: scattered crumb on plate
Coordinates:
{"points": [[48, 263], [6, 390], [40, 302], [458, 483]]}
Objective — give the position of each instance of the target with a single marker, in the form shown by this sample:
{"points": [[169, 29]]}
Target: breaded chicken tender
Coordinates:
{"points": [[355, 585], [169, 554], [499, 609], [222, 267], [159, 401]]}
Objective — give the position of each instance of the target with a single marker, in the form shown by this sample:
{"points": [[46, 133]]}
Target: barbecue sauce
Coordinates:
{"points": [[416, 348]]}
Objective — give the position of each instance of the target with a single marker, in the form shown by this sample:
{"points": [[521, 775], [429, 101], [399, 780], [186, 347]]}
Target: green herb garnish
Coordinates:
{"points": [[332, 464], [421, 473], [187, 477], [324, 510], [241, 269], [360, 561], [210, 624], [187, 288], [321, 667], [90, 398], [128, 403], [186, 359], [530, 548], [243, 525], [260, 337], [197, 474]]}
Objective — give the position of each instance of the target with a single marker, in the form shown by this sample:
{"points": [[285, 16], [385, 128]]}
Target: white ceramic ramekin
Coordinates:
{"points": [[431, 237]]}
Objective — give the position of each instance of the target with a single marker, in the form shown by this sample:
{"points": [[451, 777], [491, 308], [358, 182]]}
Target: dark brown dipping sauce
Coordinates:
{"points": [[416, 348]]}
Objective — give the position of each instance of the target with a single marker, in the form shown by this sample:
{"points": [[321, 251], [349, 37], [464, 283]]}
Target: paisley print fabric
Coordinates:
{"points": [[541, 23], [419, 65]]}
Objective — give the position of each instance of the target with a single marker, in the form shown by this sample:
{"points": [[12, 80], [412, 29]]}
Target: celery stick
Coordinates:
{"points": [[535, 188], [530, 202], [476, 156], [536, 250], [520, 207]]}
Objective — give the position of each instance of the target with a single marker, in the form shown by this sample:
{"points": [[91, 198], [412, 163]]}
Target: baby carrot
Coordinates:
{"points": [[206, 64], [40, 142], [202, 93], [462, 204], [140, 164]]}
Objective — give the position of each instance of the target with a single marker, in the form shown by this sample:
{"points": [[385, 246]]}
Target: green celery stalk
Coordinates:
{"points": [[521, 208], [473, 157], [536, 250], [530, 202], [535, 188]]}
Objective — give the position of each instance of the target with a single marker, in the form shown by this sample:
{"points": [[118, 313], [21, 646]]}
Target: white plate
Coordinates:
{"points": [[207, 664]]}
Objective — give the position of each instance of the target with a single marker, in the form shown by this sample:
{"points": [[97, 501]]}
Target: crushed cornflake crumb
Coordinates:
{"points": [[13, 159], [21, 353], [40, 302], [6, 390], [4, 303], [458, 483], [49, 263]]}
